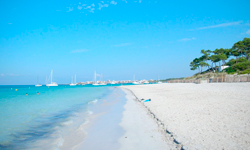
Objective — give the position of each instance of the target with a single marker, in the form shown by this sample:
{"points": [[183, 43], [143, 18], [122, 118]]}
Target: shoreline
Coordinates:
{"points": [[141, 130], [200, 116]]}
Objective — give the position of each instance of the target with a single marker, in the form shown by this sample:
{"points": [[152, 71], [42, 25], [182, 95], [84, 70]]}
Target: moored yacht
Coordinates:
{"points": [[135, 82], [52, 83], [37, 85], [95, 83], [73, 84]]}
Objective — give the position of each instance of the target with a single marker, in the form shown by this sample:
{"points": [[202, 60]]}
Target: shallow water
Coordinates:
{"points": [[26, 120], [104, 127]]}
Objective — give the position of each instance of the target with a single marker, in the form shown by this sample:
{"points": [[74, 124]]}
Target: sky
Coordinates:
{"points": [[150, 39]]}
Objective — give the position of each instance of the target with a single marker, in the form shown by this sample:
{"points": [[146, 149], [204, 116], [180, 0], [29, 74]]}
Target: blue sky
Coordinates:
{"points": [[120, 38]]}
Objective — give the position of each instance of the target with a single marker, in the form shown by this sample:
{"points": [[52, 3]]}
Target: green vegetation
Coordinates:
{"points": [[214, 59], [173, 79]]}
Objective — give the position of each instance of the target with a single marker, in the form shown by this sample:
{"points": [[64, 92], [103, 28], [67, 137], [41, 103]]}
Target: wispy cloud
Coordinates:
{"points": [[248, 32], [92, 10], [221, 25], [122, 45], [113, 2], [187, 39], [79, 51], [9, 74], [79, 7], [70, 9], [102, 5], [88, 7]]}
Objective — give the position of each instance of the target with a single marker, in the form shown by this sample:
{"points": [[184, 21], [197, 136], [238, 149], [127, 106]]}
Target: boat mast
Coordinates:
{"points": [[51, 75], [95, 76], [38, 79]]}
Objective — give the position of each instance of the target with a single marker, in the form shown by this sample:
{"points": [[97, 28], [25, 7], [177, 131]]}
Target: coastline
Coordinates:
{"points": [[141, 130], [119, 122], [200, 116]]}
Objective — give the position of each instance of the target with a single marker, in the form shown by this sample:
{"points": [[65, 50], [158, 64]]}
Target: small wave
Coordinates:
{"points": [[67, 122], [86, 122], [90, 112], [60, 142], [83, 124], [93, 102]]}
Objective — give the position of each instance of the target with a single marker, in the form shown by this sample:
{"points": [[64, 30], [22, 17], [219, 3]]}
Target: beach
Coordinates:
{"points": [[179, 116], [199, 116]]}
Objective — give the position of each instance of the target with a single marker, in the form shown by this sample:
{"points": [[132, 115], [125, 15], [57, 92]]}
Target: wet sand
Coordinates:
{"points": [[141, 130]]}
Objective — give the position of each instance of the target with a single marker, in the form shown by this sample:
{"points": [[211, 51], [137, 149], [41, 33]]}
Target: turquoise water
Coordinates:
{"points": [[27, 118]]}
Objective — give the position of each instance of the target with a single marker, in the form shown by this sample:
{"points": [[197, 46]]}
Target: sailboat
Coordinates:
{"points": [[37, 85], [159, 82], [52, 83], [135, 82], [73, 84], [113, 82], [102, 82], [95, 80]]}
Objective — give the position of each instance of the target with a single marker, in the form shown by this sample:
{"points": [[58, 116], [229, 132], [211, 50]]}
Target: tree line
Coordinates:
{"points": [[214, 59]]}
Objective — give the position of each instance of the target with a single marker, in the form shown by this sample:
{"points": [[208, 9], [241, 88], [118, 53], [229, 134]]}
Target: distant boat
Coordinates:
{"points": [[37, 85], [102, 82], [113, 82], [96, 84], [52, 83], [135, 82], [73, 84], [159, 82]]}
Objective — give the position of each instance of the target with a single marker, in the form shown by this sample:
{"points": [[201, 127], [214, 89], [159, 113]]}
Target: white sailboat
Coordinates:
{"points": [[52, 83], [102, 82], [135, 82], [95, 80], [38, 85], [113, 82], [159, 82], [73, 84]]}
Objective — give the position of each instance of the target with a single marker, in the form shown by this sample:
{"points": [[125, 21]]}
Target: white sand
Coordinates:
{"points": [[141, 131], [199, 116]]}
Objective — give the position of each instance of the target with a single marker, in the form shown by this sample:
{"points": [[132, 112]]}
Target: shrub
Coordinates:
{"points": [[229, 70], [245, 71], [241, 66], [231, 62]]}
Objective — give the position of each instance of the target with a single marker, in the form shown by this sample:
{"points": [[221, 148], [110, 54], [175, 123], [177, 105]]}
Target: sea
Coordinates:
{"points": [[58, 117]]}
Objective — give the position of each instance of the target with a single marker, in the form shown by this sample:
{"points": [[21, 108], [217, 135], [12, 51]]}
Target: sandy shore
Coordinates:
{"points": [[200, 116], [141, 131]]}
